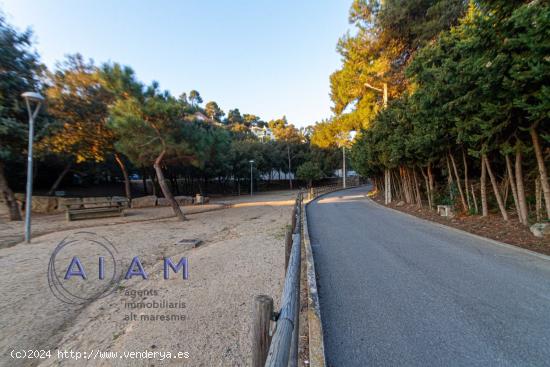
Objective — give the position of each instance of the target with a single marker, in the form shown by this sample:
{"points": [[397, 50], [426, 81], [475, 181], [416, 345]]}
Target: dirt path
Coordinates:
{"points": [[242, 255]]}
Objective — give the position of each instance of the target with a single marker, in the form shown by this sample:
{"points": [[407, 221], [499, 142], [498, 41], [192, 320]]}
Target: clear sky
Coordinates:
{"points": [[266, 57]]}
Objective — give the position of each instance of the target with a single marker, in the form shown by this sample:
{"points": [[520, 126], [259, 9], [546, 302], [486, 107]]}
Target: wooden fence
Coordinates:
{"points": [[281, 348]]}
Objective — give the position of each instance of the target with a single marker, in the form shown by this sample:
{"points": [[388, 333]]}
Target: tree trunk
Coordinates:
{"points": [[428, 195], [7, 195], [60, 178], [466, 179], [417, 189], [520, 188], [538, 200], [513, 185], [431, 183], [542, 170], [289, 166], [127, 188], [405, 184], [495, 189], [387, 186], [483, 183], [398, 187], [475, 200], [505, 190], [450, 179], [165, 189], [153, 186], [459, 185]]}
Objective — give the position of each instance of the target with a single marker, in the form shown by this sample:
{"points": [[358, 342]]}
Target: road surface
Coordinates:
{"points": [[398, 291]]}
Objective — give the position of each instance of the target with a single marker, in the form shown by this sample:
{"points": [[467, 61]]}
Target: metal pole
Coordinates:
{"points": [[250, 178], [28, 199], [344, 165]]}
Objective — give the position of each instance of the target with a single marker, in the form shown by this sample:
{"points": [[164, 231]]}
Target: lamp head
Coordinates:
{"points": [[33, 97], [251, 161]]}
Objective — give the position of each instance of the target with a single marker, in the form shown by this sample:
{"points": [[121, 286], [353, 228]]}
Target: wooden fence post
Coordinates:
{"points": [[263, 311]]}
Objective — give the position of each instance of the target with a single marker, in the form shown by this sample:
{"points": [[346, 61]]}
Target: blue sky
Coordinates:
{"points": [[269, 58]]}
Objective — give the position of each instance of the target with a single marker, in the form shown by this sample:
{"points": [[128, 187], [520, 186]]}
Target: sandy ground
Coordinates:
{"points": [[11, 233], [242, 255]]}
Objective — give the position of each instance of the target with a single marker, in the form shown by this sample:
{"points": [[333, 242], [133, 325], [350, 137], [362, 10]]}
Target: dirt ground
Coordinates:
{"points": [[242, 255], [492, 226]]}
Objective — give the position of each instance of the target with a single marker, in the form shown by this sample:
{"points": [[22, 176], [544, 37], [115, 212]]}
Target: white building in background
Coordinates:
{"points": [[262, 133], [202, 117]]}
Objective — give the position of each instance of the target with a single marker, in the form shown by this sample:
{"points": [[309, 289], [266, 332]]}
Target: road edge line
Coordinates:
{"points": [[457, 230]]}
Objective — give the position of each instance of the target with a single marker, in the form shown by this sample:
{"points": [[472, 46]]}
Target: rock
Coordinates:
{"points": [[3, 208], [199, 199], [96, 202], [445, 211], [401, 203], [540, 229], [62, 203], [184, 200], [144, 201], [120, 200], [44, 204], [163, 202]]}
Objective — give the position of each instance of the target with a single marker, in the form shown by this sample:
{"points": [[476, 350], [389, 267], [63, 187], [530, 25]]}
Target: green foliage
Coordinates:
{"points": [[309, 171], [234, 117], [20, 71], [478, 87], [158, 125], [195, 98], [213, 111]]}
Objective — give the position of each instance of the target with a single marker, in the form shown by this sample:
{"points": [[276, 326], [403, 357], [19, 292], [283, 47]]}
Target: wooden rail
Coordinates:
{"points": [[316, 191], [281, 349]]}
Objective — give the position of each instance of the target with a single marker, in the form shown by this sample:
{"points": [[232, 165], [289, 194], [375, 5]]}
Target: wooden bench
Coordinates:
{"points": [[96, 209]]}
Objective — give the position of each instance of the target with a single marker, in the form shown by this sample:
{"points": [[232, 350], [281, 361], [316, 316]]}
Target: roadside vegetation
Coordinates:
{"points": [[102, 124], [466, 121]]}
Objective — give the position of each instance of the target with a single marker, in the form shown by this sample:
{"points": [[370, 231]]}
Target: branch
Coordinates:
{"points": [[371, 87], [150, 141]]}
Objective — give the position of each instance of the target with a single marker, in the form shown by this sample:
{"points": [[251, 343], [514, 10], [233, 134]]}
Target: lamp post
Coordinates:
{"points": [[387, 173], [251, 181], [30, 97]]}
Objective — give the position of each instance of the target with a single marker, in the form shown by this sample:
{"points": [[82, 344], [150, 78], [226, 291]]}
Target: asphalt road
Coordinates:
{"points": [[398, 291]]}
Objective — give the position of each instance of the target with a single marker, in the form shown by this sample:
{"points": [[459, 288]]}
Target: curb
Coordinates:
{"points": [[460, 231], [316, 339]]}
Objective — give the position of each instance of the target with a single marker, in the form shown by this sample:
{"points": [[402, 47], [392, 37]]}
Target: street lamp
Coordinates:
{"points": [[251, 181], [30, 97], [387, 172], [349, 138]]}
